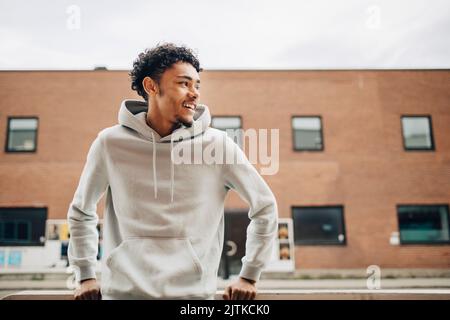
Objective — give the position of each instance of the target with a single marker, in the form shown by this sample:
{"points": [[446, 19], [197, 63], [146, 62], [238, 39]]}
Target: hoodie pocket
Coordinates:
{"points": [[154, 268]]}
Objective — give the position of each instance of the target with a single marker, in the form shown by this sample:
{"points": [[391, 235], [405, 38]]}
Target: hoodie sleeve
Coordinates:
{"points": [[248, 183], [82, 215]]}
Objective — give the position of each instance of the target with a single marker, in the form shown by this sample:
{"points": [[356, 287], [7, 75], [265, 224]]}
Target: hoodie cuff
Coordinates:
{"points": [[83, 273], [250, 272]]}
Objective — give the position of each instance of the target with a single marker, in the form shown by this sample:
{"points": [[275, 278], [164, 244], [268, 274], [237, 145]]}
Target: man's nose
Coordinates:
{"points": [[194, 93]]}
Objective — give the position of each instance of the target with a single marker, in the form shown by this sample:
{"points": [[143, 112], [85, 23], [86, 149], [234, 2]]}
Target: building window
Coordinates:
{"points": [[417, 133], [319, 225], [423, 224], [22, 226], [232, 125], [307, 133], [22, 134]]}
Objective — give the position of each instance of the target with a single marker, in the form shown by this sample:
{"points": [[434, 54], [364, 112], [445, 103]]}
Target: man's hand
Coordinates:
{"points": [[242, 289], [88, 290]]}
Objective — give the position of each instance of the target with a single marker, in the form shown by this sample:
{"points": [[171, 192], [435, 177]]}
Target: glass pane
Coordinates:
{"points": [[21, 140], [23, 231], [23, 124], [306, 123], [416, 132], [307, 133], [318, 225], [307, 140], [9, 233], [226, 123], [423, 223]]}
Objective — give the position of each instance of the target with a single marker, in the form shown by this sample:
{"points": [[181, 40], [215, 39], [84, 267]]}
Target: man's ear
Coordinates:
{"points": [[150, 86]]}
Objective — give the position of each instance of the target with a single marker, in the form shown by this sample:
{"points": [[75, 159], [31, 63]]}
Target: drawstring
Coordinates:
{"points": [[155, 180], [172, 170]]}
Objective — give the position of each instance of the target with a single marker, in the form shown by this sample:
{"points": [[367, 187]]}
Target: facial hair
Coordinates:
{"points": [[185, 123]]}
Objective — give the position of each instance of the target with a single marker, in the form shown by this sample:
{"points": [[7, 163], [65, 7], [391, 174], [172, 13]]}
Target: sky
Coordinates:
{"points": [[227, 34]]}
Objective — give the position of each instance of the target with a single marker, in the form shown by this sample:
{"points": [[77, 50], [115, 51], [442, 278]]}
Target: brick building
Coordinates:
{"points": [[364, 161]]}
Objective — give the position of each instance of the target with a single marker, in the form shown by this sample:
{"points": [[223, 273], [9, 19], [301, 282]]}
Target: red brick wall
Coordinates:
{"points": [[363, 166]]}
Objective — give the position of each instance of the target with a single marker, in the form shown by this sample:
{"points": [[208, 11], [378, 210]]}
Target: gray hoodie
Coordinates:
{"points": [[164, 220]]}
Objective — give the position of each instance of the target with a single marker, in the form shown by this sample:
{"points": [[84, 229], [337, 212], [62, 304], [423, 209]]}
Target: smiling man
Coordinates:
{"points": [[164, 222]]}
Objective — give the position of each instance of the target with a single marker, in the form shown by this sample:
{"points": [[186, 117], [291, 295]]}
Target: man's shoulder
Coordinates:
{"points": [[216, 133], [111, 132]]}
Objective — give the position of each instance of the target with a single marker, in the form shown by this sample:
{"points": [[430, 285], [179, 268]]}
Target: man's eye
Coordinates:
{"points": [[187, 84]]}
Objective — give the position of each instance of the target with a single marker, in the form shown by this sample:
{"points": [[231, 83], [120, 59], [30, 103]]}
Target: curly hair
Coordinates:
{"points": [[153, 62]]}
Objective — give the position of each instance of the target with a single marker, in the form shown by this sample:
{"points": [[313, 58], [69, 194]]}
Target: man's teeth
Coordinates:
{"points": [[190, 106]]}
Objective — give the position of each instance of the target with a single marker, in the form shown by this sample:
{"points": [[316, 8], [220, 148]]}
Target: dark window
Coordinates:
{"points": [[307, 133], [318, 225], [423, 224], [23, 230], [232, 125], [9, 230], [22, 226], [417, 133], [22, 134]]}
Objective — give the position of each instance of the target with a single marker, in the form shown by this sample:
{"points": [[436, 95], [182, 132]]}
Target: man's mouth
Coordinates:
{"points": [[190, 105]]}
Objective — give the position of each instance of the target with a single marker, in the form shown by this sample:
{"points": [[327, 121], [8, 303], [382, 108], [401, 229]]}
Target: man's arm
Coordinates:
{"points": [[82, 215], [263, 214]]}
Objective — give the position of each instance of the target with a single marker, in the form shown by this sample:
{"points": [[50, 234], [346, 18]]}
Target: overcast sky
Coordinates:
{"points": [[227, 34]]}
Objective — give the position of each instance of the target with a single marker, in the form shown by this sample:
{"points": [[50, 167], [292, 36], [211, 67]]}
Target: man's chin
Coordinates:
{"points": [[185, 122]]}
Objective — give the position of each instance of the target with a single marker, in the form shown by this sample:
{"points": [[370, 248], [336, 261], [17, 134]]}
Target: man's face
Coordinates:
{"points": [[179, 92]]}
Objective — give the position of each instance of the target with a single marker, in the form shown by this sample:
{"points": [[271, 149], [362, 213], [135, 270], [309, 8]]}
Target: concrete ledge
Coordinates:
{"points": [[407, 294], [338, 274]]}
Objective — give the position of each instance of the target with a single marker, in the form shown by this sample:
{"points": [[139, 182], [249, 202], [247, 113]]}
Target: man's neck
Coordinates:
{"points": [[157, 122]]}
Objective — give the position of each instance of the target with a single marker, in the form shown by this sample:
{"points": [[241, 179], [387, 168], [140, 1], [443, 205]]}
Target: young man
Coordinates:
{"points": [[164, 219]]}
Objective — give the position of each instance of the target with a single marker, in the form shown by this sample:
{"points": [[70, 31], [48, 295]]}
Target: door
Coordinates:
{"points": [[236, 222]]}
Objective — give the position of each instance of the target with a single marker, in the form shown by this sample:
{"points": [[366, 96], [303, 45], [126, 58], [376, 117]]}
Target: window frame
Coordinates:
{"points": [[32, 222], [415, 242], [293, 134], [321, 243], [405, 148], [8, 129]]}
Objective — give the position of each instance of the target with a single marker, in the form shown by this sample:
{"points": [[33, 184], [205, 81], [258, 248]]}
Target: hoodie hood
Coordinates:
{"points": [[133, 114]]}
